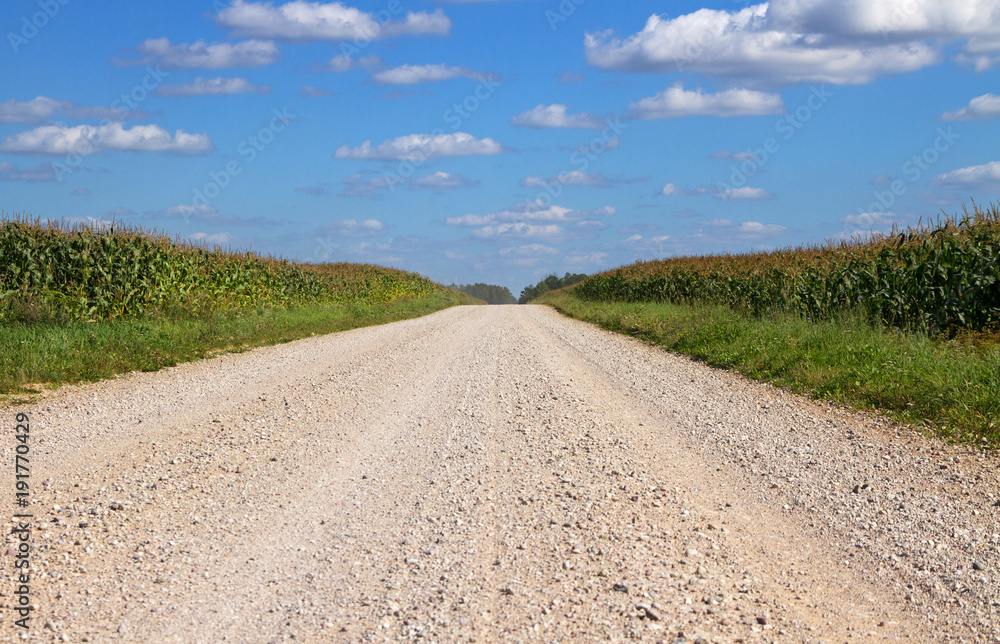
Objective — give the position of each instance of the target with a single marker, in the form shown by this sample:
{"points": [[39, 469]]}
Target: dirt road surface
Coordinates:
{"points": [[490, 474]]}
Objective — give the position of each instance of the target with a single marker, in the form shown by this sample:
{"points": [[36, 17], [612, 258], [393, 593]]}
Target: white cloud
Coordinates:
{"points": [[746, 229], [416, 74], [442, 181], [986, 106], [217, 239], [732, 194], [38, 174], [550, 116], [421, 147], [976, 177], [351, 228], [676, 102], [304, 21], [471, 220], [535, 218], [794, 41], [871, 222], [576, 178], [42, 108], [201, 55], [212, 87], [745, 193], [187, 210], [673, 190], [60, 140], [517, 229], [893, 20]]}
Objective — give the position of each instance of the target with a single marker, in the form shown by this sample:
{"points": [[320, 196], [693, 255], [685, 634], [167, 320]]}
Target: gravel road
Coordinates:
{"points": [[491, 474]]}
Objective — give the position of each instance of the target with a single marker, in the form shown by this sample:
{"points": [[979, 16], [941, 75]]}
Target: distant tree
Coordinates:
{"points": [[550, 283], [490, 293]]}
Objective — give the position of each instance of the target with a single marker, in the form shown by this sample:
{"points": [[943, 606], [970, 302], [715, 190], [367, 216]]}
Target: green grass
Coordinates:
{"points": [[43, 355], [951, 388]]}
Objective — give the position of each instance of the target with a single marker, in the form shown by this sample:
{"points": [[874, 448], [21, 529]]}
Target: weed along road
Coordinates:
{"points": [[491, 474]]}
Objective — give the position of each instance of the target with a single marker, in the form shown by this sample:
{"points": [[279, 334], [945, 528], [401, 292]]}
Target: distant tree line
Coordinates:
{"points": [[550, 283], [490, 293]]}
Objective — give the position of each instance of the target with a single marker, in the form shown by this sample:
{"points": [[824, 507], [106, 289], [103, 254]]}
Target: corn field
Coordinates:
{"points": [[85, 273], [939, 277]]}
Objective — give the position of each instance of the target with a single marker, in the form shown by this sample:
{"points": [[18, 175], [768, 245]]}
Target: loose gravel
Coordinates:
{"points": [[493, 474]]}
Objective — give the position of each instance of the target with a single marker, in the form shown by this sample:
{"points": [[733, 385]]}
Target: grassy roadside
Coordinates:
{"points": [[952, 388], [44, 355]]}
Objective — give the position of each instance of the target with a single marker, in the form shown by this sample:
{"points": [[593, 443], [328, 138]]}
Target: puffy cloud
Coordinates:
{"points": [[677, 102], [351, 228], [217, 239], [869, 222], [42, 108], [982, 107], [416, 74], [212, 87], [305, 21], [731, 194], [442, 181], [201, 55], [550, 116], [975, 177], [60, 140], [673, 190], [744, 193], [421, 147], [535, 218], [795, 41], [518, 229], [726, 228]]}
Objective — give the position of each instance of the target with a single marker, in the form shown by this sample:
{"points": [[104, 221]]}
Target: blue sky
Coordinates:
{"points": [[499, 141]]}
